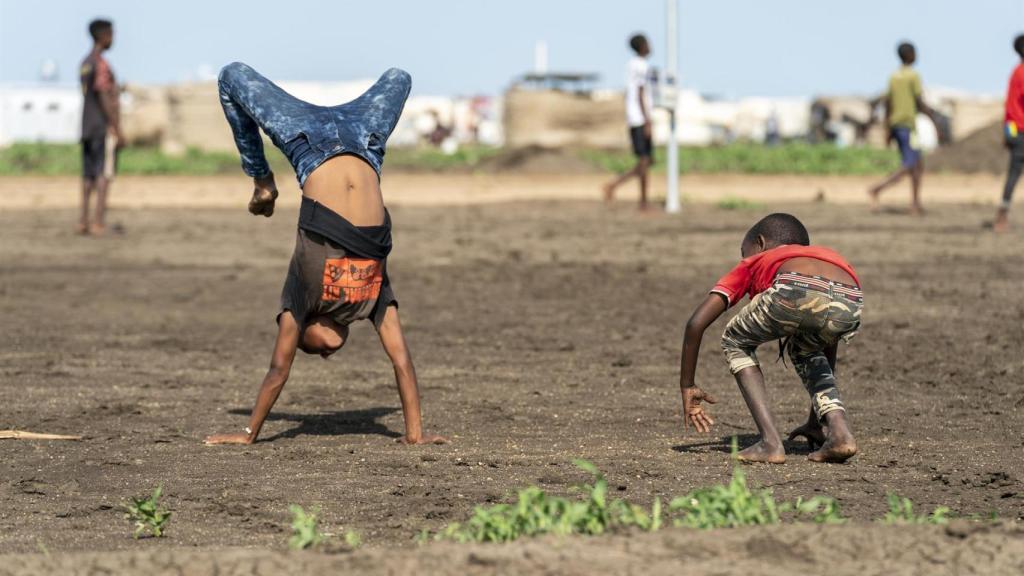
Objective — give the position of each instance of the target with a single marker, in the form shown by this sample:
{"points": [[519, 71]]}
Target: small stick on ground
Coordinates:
{"points": [[25, 435]]}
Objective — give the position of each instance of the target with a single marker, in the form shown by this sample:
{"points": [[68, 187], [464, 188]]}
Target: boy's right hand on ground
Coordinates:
{"points": [[264, 195], [693, 413]]}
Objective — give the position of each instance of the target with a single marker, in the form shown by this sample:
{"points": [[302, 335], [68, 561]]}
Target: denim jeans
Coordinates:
{"points": [[308, 134]]}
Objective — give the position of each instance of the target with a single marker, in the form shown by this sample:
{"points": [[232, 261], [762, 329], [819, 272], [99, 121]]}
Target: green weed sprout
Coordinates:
{"points": [[901, 511], [353, 539], [535, 512], [148, 515], [305, 528]]}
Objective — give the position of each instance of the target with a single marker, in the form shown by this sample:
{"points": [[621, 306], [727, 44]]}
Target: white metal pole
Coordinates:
{"points": [[671, 80]]}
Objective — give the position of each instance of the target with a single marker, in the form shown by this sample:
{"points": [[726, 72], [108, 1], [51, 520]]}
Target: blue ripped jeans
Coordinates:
{"points": [[308, 134]]}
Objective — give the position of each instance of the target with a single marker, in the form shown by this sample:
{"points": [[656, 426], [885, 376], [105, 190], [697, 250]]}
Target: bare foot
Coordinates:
{"points": [[834, 451], [916, 210], [82, 229], [812, 432], [239, 438], [839, 444], [97, 230], [1001, 223], [762, 453], [873, 193], [426, 439], [608, 191]]}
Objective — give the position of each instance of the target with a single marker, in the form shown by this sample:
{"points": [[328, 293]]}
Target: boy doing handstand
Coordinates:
{"points": [[338, 273], [809, 298]]}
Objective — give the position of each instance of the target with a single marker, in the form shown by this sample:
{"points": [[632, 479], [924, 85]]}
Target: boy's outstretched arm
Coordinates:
{"points": [[273, 382], [709, 310], [390, 332]]}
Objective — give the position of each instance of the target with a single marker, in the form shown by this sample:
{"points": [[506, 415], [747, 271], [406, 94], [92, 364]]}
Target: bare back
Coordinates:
{"points": [[815, 267], [349, 186]]}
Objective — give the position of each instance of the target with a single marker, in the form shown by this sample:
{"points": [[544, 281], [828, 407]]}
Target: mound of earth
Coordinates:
{"points": [[981, 151], [855, 549], [538, 160]]}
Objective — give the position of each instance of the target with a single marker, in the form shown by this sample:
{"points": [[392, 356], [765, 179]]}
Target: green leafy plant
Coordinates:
{"points": [[820, 510], [353, 539], [305, 528], [901, 511], [535, 512], [726, 505], [148, 515]]}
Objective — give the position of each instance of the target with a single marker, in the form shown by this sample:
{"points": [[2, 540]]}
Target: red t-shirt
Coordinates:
{"points": [[1015, 98], [756, 274]]}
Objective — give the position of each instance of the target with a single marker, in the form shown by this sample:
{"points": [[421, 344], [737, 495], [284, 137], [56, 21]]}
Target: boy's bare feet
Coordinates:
{"points": [[916, 210], [82, 229], [1002, 222], [238, 438], [839, 444], [97, 230], [812, 432], [873, 194], [608, 193], [425, 439], [761, 452], [264, 195]]}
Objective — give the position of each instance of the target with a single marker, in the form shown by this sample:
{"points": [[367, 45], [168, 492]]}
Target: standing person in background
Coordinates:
{"points": [[902, 103], [1014, 123], [101, 127], [639, 107]]}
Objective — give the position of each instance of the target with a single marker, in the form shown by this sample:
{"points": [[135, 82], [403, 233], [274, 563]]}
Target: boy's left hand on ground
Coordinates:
{"points": [[425, 439], [693, 413], [239, 438]]}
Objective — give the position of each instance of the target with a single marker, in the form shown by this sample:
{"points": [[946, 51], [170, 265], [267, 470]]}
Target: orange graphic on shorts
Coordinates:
{"points": [[352, 280]]}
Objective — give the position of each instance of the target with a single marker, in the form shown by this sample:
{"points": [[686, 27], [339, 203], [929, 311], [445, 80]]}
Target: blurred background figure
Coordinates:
{"points": [[902, 102], [639, 107], [101, 127], [1013, 122]]}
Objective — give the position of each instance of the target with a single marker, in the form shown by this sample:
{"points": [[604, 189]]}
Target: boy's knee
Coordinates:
{"points": [[739, 356], [399, 79]]}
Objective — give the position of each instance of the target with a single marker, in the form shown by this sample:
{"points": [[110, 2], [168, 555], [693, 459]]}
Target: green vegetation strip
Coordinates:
{"points": [[535, 513], [793, 158]]}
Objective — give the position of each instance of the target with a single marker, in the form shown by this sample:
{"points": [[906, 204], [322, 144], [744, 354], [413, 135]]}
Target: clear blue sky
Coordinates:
{"points": [[728, 47]]}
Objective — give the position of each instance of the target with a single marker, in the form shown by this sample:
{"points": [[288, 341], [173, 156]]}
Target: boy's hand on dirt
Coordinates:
{"points": [[426, 439], [239, 438], [264, 195], [693, 413]]}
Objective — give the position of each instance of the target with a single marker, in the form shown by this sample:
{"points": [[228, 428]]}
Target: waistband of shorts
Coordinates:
{"points": [[819, 284], [315, 217]]}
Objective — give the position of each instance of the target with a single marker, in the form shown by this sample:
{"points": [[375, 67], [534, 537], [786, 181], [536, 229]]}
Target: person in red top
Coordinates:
{"points": [[809, 298], [1014, 124]]}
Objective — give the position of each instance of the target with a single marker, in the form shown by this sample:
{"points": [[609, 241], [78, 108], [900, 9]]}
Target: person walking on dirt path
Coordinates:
{"points": [[1012, 127], [101, 128], [338, 272], [808, 298], [902, 103], [639, 107]]}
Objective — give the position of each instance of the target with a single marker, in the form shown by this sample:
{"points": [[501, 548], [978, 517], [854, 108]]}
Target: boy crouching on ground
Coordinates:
{"points": [[808, 297]]}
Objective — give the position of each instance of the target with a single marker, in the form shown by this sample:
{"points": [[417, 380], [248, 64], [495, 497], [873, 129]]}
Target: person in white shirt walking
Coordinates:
{"points": [[639, 105]]}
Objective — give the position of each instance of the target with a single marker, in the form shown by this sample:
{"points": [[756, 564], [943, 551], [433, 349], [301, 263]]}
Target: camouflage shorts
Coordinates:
{"points": [[808, 314]]}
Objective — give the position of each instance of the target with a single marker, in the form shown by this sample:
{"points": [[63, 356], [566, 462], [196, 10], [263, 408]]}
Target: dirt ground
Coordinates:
{"points": [[543, 331]]}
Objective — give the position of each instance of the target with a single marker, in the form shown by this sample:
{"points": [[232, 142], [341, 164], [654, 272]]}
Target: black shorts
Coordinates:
{"points": [[642, 146], [99, 156]]}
